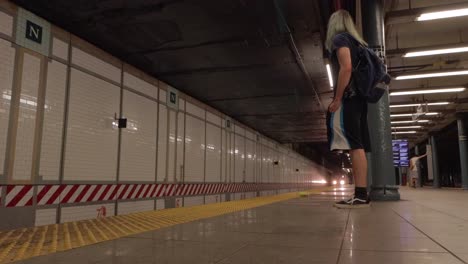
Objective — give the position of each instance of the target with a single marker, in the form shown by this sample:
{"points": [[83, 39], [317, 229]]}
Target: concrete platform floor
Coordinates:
{"points": [[427, 226]]}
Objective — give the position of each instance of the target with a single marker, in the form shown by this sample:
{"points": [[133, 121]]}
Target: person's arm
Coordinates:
{"points": [[346, 68]]}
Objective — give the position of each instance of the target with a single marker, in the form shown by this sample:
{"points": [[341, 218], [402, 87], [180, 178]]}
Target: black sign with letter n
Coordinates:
{"points": [[173, 97], [33, 32]]}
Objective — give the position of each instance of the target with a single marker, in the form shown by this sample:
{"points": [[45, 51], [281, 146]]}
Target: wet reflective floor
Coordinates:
{"points": [[427, 226]]}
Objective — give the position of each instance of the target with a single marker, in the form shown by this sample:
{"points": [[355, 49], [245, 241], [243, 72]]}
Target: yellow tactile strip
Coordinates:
{"points": [[20, 244]]}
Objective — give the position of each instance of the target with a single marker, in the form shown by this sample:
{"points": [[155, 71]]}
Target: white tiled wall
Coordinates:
{"points": [[53, 121], [6, 24], [180, 145], [172, 146], [239, 153], [250, 135], [215, 119], [224, 155], [160, 204], [27, 117], [162, 95], [258, 167], [231, 157], [162, 143], [239, 130], [92, 136], [76, 213], [46, 217], [140, 85], [7, 63], [194, 149], [209, 199], [91, 151], [138, 147], [95, 65], [60, 48], [181, 104], [213, 153], [195, 110], [250, 161], [135, 206], [193, 201]]}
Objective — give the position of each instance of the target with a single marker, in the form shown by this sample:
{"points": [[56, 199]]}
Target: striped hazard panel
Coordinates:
{"points": [[42, 195]]}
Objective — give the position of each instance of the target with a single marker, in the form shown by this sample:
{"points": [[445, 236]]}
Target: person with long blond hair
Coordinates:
{"points": [[347, 126]]}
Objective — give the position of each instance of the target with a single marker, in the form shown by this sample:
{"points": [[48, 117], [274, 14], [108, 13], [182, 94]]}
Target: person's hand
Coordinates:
{"points": [[334, 105]]}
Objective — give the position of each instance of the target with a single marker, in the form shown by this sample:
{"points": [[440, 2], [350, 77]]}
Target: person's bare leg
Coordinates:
{"points": [[359, 160], [360, 199]]}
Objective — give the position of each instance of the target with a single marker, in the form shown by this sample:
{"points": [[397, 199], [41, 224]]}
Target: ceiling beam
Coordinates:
{"points": [[208, 70]]}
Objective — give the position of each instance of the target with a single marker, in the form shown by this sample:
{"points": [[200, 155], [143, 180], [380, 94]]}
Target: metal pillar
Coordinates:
{"points": [[463, 147], [383, 185], [418, 164], [400, 178], [435, 163]]}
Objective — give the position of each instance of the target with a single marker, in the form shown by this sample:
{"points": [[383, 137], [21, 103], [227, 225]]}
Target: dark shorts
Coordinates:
{"points": [[347, 127]]}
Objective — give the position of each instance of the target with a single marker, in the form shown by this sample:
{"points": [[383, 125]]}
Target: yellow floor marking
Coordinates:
{"points": [[78, 234], [39, 244], [24, 243]]}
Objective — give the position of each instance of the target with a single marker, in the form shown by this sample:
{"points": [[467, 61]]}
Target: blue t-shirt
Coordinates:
{"points": [[339, 41]]}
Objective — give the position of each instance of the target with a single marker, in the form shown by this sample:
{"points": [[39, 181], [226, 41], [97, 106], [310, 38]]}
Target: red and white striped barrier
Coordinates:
{"points": [[23, 195], [18, 195]]}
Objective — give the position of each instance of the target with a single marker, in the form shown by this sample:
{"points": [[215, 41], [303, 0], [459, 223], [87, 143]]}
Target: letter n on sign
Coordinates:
{"points": [[33, 32]]}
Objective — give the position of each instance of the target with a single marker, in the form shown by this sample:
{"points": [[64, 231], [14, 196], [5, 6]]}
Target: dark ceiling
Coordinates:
{"points": [[260, 61]]}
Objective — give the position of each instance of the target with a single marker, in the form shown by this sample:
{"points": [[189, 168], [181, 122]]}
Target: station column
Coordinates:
{"points": [[435, 162], [463, 146], [383, 185]]}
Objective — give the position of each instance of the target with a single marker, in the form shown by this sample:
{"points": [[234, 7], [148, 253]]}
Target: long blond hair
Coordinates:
{"points": [[339, 22]]}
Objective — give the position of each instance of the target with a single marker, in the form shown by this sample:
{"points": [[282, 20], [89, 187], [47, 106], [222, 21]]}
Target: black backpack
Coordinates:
{"points": [[369, 76]]}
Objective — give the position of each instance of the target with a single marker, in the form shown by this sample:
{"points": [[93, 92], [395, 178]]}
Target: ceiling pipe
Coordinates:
{"points": [[299, 60]]}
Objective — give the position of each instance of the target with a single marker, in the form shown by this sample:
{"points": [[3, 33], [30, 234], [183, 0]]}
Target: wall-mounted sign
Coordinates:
{"points": [[173, 98], [228, 124], [33, 32]]}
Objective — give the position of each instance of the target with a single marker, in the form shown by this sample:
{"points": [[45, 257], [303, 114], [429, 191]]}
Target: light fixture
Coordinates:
{"points": [[435, 52], [410, 121], [404, 132], [406, 127], [443, 14], [429, 91], [419, 104], [411, 114], [330, 77], [432, 75]]}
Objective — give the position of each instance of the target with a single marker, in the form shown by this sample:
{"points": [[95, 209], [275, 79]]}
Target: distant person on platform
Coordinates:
{"points": [[347, 127], [414, 167]]}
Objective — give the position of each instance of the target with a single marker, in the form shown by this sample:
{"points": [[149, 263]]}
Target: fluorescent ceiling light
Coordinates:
{"points": [[330, 77], [431, 75], [435, 52], [419, 104], [404, 132], [406, 127], [411, 114], [443, 14], [410, 121], [429, 91]]}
